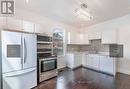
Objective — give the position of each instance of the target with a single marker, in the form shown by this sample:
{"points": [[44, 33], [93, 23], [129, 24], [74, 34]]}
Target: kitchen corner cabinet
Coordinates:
{"points": [[109, 36], [14, 24], [73, 60]]}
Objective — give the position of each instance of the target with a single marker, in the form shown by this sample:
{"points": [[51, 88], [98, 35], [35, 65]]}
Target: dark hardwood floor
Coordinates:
{"points": [[86, 79]]}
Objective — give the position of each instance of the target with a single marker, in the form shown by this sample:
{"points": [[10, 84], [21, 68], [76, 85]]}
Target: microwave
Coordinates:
{"points": [[44, 38]]}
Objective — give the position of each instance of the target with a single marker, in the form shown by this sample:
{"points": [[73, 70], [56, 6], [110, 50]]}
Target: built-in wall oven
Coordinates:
{"points": [[47, 64], [46, 60], [47, 68]]}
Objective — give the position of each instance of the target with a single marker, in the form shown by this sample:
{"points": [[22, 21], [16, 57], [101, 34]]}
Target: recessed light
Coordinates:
{"points": [[27, 1]]}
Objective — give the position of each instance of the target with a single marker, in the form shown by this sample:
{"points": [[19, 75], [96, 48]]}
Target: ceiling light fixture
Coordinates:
{"points": [[83, 13], [27, 1]]}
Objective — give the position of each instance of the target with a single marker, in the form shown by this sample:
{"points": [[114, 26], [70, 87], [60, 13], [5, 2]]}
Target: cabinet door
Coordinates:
{"points": [[84, 60], [61, 62], [94, 35], [39, 28], [73, 38], [77, 60], [106, 64], [83, 38], [28, 26], [109, 36], [89, 61], [69, 60], [3, 23], [95, 61], [14, 24]]}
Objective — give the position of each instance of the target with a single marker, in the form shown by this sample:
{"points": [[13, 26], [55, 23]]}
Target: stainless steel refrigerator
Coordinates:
{"points": [[19, 69]]}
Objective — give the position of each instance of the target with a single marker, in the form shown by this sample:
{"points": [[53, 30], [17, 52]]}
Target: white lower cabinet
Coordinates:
{"points": [[107, 65], [61, 62], [77, 60], [93, 61], [97, 62], [101, 63], [73, 60], [84, 60]]}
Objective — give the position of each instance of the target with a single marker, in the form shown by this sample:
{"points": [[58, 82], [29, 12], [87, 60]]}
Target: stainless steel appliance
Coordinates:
{"points": [[46, 60], [19, 63], [44, 38], [47, 68]]}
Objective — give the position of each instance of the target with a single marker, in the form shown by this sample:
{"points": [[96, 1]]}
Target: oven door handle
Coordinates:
{"points": [[48, 58]]}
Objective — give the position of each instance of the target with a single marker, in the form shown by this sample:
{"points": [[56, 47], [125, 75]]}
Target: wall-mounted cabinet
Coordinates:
{"points": [[92, 36], [2, 22], [73, 37], [39, 29], [77, 38], [14, 24], [28, 26], [110, 36], [83, 39]]}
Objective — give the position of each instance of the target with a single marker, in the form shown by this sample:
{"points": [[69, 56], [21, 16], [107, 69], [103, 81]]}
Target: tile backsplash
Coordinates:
{"points": [[95, 45]]}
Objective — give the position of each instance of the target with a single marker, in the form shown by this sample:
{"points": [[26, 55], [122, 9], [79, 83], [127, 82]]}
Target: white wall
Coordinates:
{"points": [[123, 25]]}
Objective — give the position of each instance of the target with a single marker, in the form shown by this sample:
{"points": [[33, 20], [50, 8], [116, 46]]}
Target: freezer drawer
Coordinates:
{"points": [[24, 79]]}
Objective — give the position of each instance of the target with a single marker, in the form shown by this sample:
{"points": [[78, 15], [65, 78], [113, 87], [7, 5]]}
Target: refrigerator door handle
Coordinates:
{"points": [[22, 51], [20, 73], [25, 51]]}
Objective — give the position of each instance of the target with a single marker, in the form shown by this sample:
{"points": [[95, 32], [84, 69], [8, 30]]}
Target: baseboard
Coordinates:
{"points": [[77, 67], [98, 71], [62, 69], [124, 71]]}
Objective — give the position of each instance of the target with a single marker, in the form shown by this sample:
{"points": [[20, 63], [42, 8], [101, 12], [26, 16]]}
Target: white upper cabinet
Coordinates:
{"points": [[14, 24], [109, 36], [83, 38], [94, 35], [39, 28], [77, 38], [2, 22], [73, 38], [28, 26]]}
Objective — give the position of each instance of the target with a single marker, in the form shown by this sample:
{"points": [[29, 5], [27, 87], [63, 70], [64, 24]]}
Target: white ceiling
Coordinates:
{"points": [[63, 10]]}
